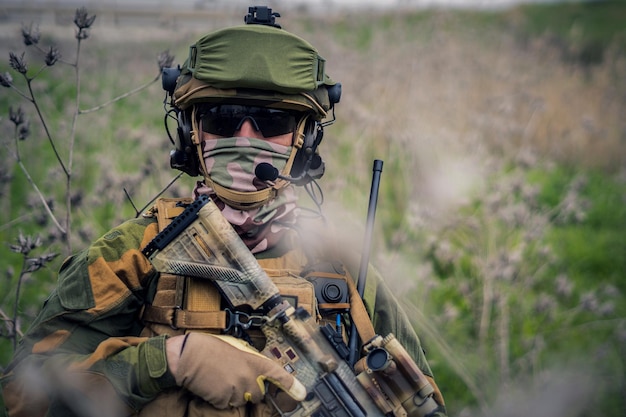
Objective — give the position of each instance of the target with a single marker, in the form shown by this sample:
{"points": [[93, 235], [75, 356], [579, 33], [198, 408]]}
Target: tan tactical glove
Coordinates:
{"points": [[228, 372]]}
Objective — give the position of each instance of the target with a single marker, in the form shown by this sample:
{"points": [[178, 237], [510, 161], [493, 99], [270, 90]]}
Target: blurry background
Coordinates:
{"points": [[501, 222]]}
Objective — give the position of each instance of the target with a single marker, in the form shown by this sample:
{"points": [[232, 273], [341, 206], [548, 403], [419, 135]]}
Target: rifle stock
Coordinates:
{"points": [[202, 244]]}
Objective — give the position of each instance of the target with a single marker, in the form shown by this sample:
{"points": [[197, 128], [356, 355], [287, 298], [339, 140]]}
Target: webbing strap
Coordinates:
{"points": [[184, 319], [202, 306], [358, 312], [184, 303], [168, 208]]}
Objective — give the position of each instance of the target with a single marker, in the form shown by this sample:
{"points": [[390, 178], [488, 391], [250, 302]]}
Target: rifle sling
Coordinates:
{"points": [[359, 314]]}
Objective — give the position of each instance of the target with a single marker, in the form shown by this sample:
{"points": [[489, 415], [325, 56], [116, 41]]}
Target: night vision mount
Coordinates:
{"points": [[261, 15]]}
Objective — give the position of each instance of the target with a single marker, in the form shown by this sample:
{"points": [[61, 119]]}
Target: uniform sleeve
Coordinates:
{"points": [[388, 317], [84, 344]]}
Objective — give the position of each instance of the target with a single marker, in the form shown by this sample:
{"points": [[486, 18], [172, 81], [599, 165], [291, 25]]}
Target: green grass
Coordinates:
{"points": [[592, 21], [583, 325], [593, 250], [584, 29]]}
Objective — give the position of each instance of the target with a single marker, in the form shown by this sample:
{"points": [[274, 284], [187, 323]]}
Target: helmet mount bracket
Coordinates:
{"points": [[261, 15]]}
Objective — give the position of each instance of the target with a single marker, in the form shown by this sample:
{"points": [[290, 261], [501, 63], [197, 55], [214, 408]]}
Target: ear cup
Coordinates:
{"points": [[307, 163], [185, 156]]}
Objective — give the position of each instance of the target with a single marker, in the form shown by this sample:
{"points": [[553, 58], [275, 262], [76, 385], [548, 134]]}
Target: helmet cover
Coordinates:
{"points": [[255, 64]]}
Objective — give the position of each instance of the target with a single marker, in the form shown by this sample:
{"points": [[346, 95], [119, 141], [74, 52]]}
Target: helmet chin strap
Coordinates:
{"points": [[248, 200]]}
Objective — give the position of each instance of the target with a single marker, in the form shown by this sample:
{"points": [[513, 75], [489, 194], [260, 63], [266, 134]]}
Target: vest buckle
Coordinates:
{"points": [[174, 321]]}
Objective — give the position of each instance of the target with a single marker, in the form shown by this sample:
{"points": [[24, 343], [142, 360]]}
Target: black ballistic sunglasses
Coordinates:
{"points": [[226, 119]]}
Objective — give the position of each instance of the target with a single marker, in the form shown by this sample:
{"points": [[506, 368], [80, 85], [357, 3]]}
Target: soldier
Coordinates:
{"points": [[116, 337]]}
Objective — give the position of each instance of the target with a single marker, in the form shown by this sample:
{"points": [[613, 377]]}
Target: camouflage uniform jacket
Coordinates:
{"points": [[89, 328]]}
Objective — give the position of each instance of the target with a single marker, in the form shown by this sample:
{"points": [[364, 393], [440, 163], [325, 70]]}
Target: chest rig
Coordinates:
{"points": [[183, 304]]}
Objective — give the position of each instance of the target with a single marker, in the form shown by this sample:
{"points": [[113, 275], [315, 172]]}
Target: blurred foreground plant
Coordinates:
{"points": [[504, 283], [23, 130], [25, 245]]}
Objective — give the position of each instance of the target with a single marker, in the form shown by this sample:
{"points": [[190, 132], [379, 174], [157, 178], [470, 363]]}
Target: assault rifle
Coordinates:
{"points": [[386, 382]]}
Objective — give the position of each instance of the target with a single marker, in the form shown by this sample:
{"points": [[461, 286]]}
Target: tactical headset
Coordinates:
{"points": [[307, 166]]}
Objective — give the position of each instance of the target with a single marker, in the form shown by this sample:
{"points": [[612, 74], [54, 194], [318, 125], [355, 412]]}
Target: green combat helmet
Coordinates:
{"points": [[257, 64]]}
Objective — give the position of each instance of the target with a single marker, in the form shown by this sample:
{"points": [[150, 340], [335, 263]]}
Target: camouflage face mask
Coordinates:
{"points": [[262, 227], [259, 218], [230, 165]]}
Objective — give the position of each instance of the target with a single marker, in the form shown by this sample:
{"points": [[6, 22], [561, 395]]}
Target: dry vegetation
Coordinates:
{"points": [[454, 99]]}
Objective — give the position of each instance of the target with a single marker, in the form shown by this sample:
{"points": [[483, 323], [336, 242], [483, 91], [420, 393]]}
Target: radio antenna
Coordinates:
{"points": [[365, 255]]}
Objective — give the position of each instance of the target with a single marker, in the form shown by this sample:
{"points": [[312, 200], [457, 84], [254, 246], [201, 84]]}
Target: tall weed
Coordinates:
{"points": [[47, 182]]}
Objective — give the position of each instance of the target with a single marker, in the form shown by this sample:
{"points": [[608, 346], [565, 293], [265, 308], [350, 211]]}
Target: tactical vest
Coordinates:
{"points": [[183, 304]]}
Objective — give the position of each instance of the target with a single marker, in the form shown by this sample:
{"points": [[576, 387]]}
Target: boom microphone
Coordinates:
{"points": [[312, 169], [266, 172]]}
